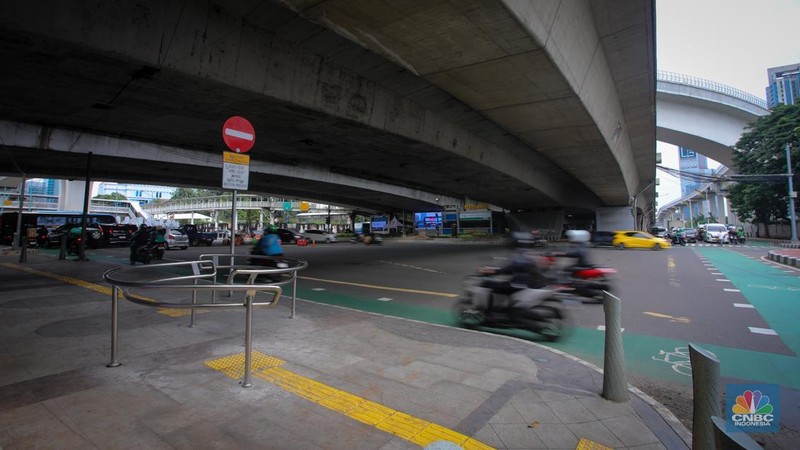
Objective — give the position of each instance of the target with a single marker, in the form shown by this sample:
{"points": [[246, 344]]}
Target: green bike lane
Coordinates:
{"points": [[651, 356]]}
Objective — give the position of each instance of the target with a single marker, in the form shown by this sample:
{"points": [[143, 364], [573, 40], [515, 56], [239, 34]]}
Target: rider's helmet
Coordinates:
{"points": [[578, 236], [272, 229]]}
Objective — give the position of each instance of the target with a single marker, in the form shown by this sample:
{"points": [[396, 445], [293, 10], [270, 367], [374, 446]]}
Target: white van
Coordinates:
{"points": [[715, 233]]}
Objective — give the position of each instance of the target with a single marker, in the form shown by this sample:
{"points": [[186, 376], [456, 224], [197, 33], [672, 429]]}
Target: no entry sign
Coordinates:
{"points": [[238, 134]]}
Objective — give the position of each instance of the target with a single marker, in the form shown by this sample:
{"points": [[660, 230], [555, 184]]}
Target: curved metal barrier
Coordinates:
{"points": [[202, 277], [280, 271]]}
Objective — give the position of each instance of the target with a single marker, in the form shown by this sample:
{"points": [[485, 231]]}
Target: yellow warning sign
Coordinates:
{"points": [[235, 158]]}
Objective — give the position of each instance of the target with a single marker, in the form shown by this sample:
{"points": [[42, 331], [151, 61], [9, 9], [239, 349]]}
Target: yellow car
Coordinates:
{"points": [[638, 239]]}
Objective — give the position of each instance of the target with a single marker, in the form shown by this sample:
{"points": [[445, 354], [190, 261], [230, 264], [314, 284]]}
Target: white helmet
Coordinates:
{"points": [[578, 236]]}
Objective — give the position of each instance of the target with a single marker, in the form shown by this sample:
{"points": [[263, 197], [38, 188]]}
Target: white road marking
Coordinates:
{"points": [[318, 289], [743, 305], [603, 328], [384, 299], [731, 290], [723, 279], [767, 331]]}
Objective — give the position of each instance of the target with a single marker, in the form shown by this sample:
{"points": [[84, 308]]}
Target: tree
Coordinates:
{"points": [[111, 196], [761, 151], [194, 193]]}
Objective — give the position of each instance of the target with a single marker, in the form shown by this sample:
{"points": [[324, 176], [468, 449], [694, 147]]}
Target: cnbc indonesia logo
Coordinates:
{"points": [[752, 409]]}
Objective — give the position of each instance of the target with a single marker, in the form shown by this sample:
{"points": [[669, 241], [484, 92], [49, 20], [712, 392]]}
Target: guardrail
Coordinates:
{"points": [[702, 83], [130, 281]]}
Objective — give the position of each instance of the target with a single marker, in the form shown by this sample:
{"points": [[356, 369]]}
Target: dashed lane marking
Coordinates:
{"points": [[106, 290], [731, 290], [767, 331], [410, 428], [743, 305]]}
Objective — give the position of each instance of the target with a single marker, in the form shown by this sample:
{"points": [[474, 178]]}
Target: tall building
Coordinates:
{"points": [[784, 85], [690, 162], [143, 193]]}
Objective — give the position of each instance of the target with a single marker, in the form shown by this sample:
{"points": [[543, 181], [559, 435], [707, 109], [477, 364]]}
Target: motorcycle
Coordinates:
{"points": [[538, 310], [146, 253], [677, 240], [368, 240], [587, 282]]}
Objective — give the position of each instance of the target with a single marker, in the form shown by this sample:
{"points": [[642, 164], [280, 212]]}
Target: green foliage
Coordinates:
{"points": [[194, 193], [111, 196], [761, 150]]}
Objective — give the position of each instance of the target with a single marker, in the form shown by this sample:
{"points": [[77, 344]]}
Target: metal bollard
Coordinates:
{"points": [[731, 441], [62, 252], [615, 384], [705, 390], [23, 250]]}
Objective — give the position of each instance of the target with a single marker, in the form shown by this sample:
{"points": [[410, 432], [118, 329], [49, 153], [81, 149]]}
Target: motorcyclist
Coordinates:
{"points": [[142, 238], [270, 243], [524, 272], [578, 249]]}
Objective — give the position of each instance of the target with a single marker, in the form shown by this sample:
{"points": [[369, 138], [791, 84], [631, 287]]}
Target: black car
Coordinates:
{"points": [[288, 236], [602, 238], [94, 235]]}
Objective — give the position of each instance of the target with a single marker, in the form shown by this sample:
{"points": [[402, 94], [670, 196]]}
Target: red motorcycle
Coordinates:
{"points": [[587, 282]]}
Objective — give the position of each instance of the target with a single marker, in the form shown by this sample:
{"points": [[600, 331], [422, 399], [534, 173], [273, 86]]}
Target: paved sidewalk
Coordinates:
{"points": [[329, 378]]}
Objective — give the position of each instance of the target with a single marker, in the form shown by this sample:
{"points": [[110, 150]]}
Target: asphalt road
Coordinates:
{"points": [[728, 300]]}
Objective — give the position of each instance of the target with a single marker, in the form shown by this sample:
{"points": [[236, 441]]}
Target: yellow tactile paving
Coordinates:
{"points": [[586, 444], [171, 312], [410, 428]]}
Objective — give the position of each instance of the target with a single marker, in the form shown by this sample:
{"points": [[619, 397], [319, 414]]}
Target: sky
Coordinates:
{"points": [[732, 42]]}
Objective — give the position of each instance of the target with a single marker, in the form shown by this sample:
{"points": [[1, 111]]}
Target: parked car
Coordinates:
{"points": [[175, 238], [638, 239], [94, 235], [716, 233], [197, 237], [288, 236], [602, 239], [319, 236]]}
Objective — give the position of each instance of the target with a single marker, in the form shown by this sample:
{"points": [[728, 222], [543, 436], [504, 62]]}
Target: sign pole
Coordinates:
{"points": [[234, 225]]}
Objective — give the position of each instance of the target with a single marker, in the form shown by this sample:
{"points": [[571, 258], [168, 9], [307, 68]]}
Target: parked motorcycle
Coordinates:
{"points": [[539, 310]]}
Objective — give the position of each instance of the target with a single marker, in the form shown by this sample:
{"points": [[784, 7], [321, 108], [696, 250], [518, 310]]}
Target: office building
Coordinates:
{"points": [[784, 85]]}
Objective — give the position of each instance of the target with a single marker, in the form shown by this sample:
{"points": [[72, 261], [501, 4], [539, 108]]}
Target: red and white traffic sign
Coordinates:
{"points": [[238, 134]]}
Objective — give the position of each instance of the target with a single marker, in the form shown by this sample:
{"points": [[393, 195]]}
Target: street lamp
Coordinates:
{"points": [[792, 193]]}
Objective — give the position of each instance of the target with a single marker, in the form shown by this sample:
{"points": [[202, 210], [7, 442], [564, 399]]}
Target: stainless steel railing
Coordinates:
{"points": [[202, 277]]}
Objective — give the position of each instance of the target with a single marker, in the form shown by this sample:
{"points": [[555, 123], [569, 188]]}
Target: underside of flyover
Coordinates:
{"points": [[465, 99]]}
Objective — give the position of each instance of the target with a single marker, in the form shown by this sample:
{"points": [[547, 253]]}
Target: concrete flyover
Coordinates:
{"points": [[408, 104], [703, 115], [709, 118]]}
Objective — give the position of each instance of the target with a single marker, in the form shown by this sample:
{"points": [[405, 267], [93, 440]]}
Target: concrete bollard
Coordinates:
{"points": [[615, 382], [705, 390], [731, 441]]}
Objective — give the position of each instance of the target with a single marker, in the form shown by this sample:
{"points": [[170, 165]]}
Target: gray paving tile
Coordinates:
{"points": [[508, 414], [571, 411], [538, 412], [595, 431], [488, 436], [518, 436], [630, 430], [556, 435], [605, 409]]}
